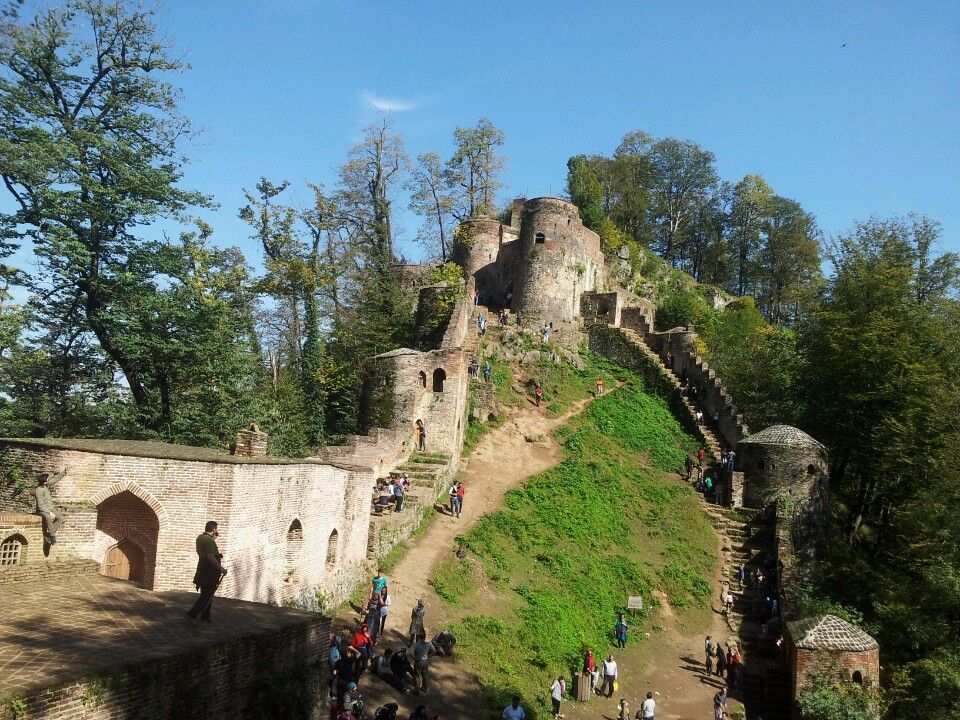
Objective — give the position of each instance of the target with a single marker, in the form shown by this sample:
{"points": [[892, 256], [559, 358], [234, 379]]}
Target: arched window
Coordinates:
{"points": [[295, 532], [858, 677], [759, 464], [12, 550], [294, 541], [423, 379], [811, 470], [332, 544], [439, 377], [539, 238]]}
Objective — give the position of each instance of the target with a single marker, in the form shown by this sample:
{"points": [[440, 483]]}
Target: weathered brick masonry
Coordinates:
{"points": [[159, 497]]}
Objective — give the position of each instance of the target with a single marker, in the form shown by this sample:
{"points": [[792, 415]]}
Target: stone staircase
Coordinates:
{"points": [[712, 442], [429, 473], [747, 541]]}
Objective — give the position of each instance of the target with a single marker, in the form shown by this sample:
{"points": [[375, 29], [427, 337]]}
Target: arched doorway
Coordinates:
{"points": [[127, 532], [124, 561]]}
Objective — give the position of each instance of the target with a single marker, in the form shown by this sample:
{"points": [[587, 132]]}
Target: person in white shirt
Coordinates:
{"points": [[513, 711], [609, 675], [556, 695], [647, 709]]}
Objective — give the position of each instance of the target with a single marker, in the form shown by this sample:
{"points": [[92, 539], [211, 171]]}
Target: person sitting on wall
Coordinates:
{"points": [[52, 520], [398, 496], [209, 571]]}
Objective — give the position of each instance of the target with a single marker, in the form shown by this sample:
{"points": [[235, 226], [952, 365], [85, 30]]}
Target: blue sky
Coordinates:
{"points": [[282, 88]]}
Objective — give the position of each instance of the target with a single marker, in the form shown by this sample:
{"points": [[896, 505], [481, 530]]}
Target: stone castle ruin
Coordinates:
{"points": [[302, 532]]}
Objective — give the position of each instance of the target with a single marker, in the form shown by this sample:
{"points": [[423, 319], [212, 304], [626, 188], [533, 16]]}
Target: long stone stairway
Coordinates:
{"points": [[711, 440], [746, 541]]}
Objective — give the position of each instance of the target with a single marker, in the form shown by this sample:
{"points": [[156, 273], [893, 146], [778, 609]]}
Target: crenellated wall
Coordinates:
{"points": [[711, 393]]}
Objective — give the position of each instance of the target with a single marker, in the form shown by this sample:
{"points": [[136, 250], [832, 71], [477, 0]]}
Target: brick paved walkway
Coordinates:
{"points": [[52, 632]]}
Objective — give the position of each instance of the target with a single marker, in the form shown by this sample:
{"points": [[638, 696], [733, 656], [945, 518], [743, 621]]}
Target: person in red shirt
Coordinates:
{"points": [[702, 456], [360, 648], [461, 491], [538, 394]]}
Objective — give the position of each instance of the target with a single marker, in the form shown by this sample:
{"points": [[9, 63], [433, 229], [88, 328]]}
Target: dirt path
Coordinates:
{"points": [[668, 663]]}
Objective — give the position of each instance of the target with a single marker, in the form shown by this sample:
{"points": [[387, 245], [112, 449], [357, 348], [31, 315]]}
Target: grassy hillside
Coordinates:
{"points": [[548, 572]]}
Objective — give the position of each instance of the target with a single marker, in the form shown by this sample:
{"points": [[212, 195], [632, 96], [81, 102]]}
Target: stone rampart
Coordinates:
{"points": [[711, 394], [614, 344]]}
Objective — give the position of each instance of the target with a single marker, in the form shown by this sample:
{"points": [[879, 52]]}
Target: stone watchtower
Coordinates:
{"points": [[559, 259], [781, 460], [825, 647]]}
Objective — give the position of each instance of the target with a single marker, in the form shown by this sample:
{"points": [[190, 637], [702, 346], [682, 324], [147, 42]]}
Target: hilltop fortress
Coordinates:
{"points": [[301, 532]]}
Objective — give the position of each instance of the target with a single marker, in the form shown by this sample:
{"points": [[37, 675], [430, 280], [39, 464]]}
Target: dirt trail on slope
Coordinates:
{"points": [[502, 460]]}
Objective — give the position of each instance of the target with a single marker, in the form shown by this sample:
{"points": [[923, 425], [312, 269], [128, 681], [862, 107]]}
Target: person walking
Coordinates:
{"points": [[599, 386], [702, 456], [688, 465], [721, 662], [620, 631], [461, 492], [623, 709], [452, 493], [378, 583], [545, 334], [416, 620], [422, 650], [610, 671], [487, 371], [708, 651], [648, 708], [538, 394], [421, 436], [384, 608], [519, 318], [556, 696], [209, 571]]}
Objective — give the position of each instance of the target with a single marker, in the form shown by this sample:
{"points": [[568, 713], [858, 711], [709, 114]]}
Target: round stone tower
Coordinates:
{"points": [[476, 245], [559, 259], [780, 460]]}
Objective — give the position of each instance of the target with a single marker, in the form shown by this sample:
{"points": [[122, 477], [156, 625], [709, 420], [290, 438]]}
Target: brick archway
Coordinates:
{"points": [[124, 518]]}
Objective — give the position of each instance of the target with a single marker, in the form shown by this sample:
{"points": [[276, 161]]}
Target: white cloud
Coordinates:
{"points": [[384, 104]]}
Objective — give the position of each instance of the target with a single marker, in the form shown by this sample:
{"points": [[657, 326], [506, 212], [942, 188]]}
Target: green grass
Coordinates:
{"points": [[565, 550]]}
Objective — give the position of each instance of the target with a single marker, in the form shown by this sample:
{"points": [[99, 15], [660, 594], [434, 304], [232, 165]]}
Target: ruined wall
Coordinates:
{"points": [[558, 258], [221, 682], [161, 505], [486, 250], [430, 386]]}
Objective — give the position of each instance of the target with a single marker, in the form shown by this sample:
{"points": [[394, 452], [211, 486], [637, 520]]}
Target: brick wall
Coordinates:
{"points": [[213, 683], [162, 504], [811, 665]]}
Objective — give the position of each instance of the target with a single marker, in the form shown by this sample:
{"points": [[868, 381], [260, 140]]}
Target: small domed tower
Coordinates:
{"points": [[559, 259], [825, 646], [780, 460]]}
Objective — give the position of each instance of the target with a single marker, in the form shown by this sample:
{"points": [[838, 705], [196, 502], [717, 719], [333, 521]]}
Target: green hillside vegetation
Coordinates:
{"points": [[566, 549]]}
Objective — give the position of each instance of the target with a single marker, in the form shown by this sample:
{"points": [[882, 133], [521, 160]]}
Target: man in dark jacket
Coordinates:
{"points": [[209, 572]]}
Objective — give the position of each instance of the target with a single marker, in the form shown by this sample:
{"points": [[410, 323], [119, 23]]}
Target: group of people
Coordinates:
{"points": [[391, 492], [475, 370], [456, 493], [405, 668], [725, 664]]}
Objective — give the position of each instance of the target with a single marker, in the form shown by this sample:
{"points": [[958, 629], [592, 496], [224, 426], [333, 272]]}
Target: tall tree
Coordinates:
{"points": [[752, 197], [789, 261], [88, 153], [430, 199], [473, 171], [683, 174]]}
